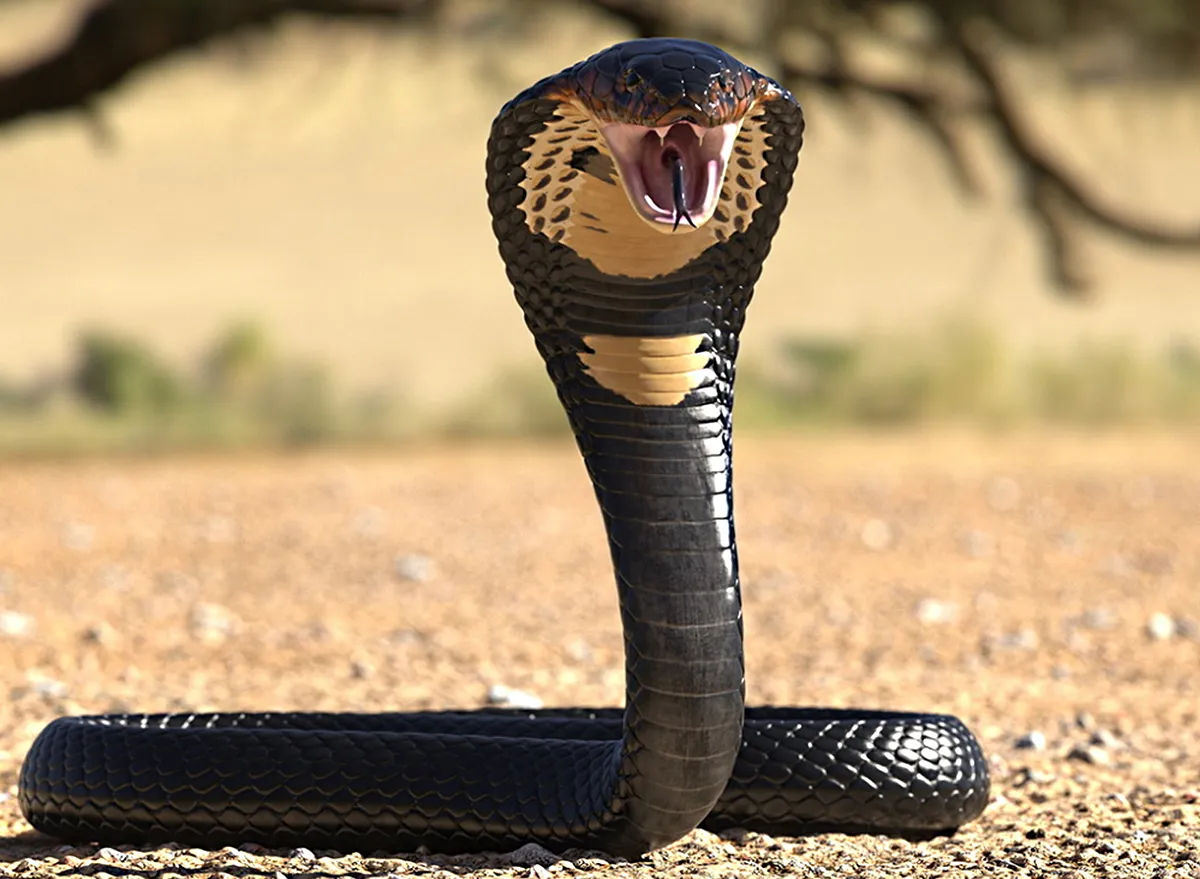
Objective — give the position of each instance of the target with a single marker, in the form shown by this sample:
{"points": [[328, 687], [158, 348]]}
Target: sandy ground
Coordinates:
{"points": [[310, 181], [1038, 586]]}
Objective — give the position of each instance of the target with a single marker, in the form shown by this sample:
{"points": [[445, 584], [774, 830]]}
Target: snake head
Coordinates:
{"points": [[670, 111], [647, 136]]}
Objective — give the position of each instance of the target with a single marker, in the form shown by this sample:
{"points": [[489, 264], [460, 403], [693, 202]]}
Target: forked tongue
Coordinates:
{"points": [[672, 174], [678, 186]]}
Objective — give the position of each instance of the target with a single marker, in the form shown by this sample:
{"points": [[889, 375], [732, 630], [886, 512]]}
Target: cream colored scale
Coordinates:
{"points": [[591, 214]]}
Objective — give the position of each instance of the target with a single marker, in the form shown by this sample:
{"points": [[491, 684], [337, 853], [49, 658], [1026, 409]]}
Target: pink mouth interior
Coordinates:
{"points": [[645, 157]]}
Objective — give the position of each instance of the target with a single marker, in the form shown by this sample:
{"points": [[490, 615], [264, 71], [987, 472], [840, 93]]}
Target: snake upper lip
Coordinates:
{"points": [[644, 157]]}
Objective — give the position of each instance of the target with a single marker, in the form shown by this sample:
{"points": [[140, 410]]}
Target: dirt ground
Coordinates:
{"points": [[1042, 587]]}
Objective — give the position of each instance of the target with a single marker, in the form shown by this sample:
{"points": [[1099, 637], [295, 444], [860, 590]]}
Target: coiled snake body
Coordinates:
{"points": [[634, 197]]}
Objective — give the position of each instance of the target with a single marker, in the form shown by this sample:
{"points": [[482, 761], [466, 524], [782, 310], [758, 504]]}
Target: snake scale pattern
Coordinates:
{"points": [[634, 197]]}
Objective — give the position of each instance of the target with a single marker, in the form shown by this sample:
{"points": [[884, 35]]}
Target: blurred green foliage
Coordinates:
{"points": [[122, 377], [961, 370], [120, 396]]}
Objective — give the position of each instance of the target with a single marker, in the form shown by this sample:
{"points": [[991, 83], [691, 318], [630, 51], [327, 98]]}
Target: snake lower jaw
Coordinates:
{"points": [[649, 162]]}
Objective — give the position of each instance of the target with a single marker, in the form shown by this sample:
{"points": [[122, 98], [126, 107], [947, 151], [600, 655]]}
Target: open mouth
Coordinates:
{"points": [[672, 174]]}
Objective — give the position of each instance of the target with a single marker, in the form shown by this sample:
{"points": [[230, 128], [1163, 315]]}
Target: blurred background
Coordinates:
{"points": [[256, 222]]}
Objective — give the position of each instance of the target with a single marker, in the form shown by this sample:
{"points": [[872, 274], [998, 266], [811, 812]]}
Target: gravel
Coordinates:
{"points": [[227, 571]]}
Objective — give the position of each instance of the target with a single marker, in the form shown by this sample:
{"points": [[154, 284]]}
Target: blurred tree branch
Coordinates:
{"points": [[115, 38], [1054, 195], [966, 42]]}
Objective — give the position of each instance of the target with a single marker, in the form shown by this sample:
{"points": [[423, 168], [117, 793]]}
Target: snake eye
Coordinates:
{"points": [[632, 79]]}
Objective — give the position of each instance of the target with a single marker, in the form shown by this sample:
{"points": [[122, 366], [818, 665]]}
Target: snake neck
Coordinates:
{"points": [[645, 373]]}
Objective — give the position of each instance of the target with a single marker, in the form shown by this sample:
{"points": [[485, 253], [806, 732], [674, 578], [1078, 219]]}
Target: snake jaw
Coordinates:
{"points": [[651, 162]]}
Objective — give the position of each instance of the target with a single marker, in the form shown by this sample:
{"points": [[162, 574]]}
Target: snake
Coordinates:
{"points": [[634, 197]]}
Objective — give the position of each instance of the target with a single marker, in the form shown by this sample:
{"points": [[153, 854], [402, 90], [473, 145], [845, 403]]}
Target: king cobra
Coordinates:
{"points": [[634, 196]]}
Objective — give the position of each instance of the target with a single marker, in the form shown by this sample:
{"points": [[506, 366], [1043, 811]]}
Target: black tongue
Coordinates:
{"points": [[678, 190]]}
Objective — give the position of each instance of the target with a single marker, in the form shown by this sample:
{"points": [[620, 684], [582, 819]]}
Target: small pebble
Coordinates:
{"points": [[100, 634], [1034, 740], [498, 694], [14, 624], [1093, 754], [876, 535], [49, 688], [302, 854], [537, 871], [235, 854], [1160, 627], [532, 855], [933, 611], [579, 650], [1104, 739], [413, 567], [1022, 639], [213, 623]]}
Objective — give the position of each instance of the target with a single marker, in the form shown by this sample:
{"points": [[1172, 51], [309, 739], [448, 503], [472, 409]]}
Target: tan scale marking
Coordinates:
{"points": [[738, 201], [648, 371], [598, 222]]}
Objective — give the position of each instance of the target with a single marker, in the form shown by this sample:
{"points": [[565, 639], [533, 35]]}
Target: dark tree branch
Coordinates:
{"points": [[1053, 193], [118, 37], [932, 111]]}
